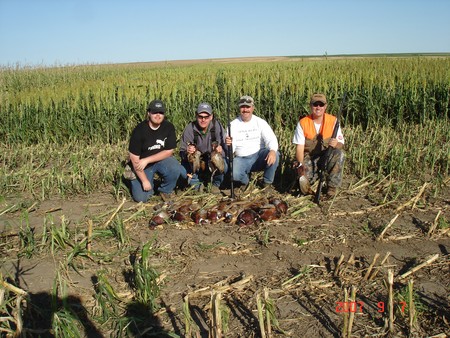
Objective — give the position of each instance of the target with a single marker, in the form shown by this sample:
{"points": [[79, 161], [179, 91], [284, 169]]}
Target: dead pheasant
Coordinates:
{"points": [[280, 205], [200, 216], [268, 212], [194, 160], [303, 181], [216, 163], [158, 219], [248, 217]]}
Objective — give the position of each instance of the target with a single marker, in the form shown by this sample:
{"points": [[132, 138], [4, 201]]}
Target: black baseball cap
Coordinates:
{"points": [[156, 106]]}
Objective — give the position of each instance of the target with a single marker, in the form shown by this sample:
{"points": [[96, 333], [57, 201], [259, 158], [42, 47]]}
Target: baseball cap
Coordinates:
{"points": [[156, 106], [204, 108], [318, 98], [246, 101]]}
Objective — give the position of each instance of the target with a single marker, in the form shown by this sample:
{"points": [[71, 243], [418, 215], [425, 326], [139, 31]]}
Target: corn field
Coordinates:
{"points": [[65, 130]]}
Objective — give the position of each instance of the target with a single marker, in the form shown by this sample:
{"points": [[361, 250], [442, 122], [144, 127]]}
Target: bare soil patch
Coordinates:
{"points": [[305, 260]]}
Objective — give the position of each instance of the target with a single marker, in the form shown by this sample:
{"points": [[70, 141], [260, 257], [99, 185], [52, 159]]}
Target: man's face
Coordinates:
{"points": [[318, 108], [203, 120], [156, 118], [246, 112]]}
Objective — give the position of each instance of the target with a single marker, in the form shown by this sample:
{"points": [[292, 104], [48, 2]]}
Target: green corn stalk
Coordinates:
{"points": [[59, 236], [65, 322], [304, 272], [118, 229], [107, 301], [266, 238], [391, 101], [45, 234], [411, 307], [270, 312], [191, 328], [220, 315], [261, 316], [26, 238], [78, 250], [408, 302], [145, 278]]}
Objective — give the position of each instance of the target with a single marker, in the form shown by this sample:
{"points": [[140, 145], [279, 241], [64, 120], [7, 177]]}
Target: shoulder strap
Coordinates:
{"points": [[213, 130], [194, 132]]}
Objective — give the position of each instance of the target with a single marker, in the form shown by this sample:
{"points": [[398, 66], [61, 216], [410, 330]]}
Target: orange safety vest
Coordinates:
{"points": [[326, 129], [312, 145]]}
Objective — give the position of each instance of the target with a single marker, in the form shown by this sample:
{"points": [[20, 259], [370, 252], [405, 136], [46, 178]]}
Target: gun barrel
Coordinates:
{"points": [[230, 152]]}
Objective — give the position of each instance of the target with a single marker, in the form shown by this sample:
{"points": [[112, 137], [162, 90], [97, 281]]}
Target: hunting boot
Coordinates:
{"points": [[267, 187], [167, 197], [240, 188], [215, 190]]}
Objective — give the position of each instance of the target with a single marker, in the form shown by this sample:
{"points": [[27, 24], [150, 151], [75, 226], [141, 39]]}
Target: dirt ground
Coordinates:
{"points": [[305, 260]]}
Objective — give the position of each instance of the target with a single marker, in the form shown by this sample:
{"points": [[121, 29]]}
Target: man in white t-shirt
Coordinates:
{"points": [[255, 145]]}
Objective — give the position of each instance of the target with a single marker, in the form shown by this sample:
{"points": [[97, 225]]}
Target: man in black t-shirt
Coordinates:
{"points": [[151, 149]]}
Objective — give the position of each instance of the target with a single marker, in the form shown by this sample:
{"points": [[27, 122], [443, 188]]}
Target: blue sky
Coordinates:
{"points": [[63, 32]]}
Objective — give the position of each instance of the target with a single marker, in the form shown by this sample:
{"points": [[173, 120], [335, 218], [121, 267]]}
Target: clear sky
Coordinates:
{"points": [[67, 32]]}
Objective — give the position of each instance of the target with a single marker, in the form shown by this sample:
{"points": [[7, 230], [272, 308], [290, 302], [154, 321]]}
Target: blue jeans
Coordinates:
{"points": [[243, 166], [198, 177], [168, 169]]}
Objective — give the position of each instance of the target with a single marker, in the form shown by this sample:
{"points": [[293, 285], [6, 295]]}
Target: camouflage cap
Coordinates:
{"points": [[246, 101], [318, 97]]}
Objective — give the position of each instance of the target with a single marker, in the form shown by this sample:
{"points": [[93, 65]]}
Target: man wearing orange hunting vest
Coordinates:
{"points": [[312, 137]]}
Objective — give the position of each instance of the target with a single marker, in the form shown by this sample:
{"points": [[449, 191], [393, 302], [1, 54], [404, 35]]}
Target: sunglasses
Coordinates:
{"points": [[156, 112], [248, 101], [318, 104], [203, 117]]}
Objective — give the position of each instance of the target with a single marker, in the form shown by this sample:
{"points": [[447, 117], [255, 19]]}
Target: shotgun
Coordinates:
{"points": [[323, 161], [230, 150]]}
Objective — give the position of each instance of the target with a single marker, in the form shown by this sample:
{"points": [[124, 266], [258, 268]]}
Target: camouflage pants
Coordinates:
{"points": [[334, 167]]}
